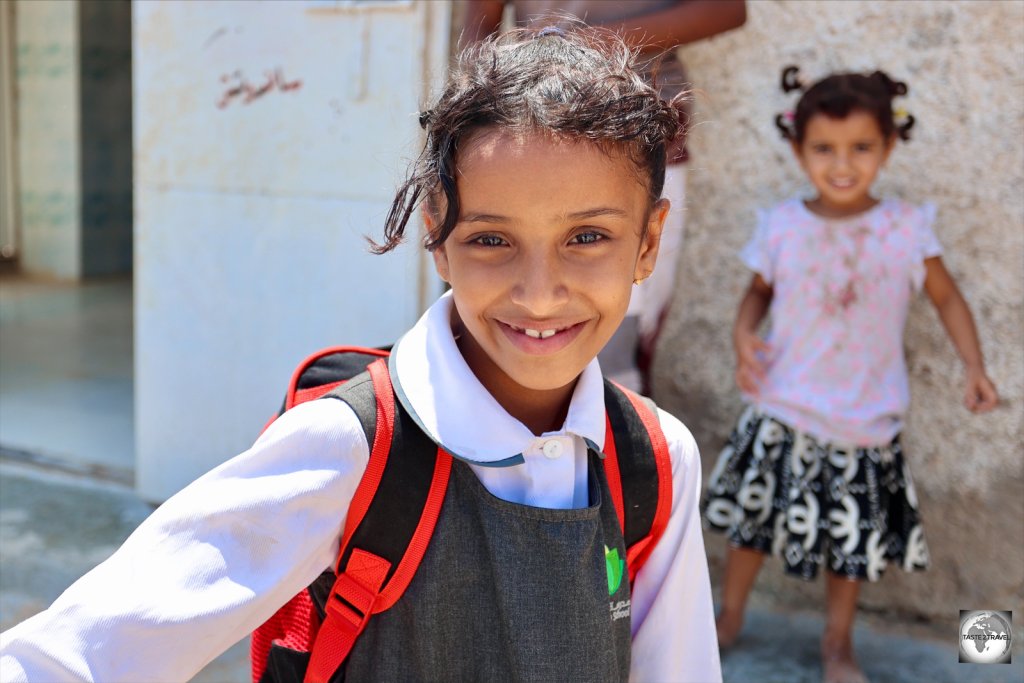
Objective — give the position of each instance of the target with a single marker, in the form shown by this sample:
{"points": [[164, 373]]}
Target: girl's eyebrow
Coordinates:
{"points": [[599, 211], [483, 218], [575, 216]]}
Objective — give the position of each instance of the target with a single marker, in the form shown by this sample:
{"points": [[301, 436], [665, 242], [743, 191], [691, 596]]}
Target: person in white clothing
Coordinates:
{"points": [[814, 472], [541, 185]]}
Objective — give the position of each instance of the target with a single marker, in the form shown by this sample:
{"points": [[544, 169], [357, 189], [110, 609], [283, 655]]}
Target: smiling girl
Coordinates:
{"points": [[541, 178], [814, 472]]}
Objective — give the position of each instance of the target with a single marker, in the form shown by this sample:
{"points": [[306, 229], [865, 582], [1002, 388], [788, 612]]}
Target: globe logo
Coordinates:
{"points": [[985, 637]]}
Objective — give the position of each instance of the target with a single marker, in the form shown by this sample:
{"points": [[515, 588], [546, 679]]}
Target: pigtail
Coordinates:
{"points": [[896, 89], [903, 129], [782, 123], [789, 82]]}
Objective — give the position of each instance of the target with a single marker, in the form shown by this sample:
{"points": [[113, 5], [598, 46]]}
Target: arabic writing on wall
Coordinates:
{"points": [[238, 88]]}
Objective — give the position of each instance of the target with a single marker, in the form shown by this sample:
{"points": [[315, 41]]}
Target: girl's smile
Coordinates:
{"points": [[539, 337], [551, 235]]}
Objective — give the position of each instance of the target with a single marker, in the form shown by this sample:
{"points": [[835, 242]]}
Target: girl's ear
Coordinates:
{"points": [[441, 263], [797, 152], [439, 254], [890, 144], [648, 255]]}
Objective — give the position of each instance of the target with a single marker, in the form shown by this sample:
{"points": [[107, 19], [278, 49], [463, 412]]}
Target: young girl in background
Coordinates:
{"points": [[814, 473], [542, 177]]}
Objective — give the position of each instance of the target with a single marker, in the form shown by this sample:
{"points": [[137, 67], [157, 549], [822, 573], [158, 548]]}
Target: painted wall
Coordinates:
{"points": [[105, 71], [73, 136], [47, 138], [964, 63], [269, 139]]}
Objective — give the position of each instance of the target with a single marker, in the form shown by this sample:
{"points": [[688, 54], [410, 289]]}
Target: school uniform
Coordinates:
{"points": [[218, 558]]}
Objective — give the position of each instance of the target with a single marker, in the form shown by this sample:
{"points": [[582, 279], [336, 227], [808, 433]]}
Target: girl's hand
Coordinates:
{"points": [[980, 394], [750, 369]]}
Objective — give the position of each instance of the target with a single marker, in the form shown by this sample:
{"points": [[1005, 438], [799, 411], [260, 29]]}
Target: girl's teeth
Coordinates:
{"points": [[538, 334]]}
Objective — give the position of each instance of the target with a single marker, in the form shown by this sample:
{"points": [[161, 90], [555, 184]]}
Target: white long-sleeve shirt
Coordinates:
{"points": [[222, 555]]}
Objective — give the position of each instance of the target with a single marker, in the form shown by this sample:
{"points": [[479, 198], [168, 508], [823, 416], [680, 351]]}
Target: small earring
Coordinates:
{"points": [[639, 280]]}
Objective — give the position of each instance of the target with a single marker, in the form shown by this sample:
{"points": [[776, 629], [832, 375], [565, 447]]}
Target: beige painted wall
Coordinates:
{"points": [[964, 63]]}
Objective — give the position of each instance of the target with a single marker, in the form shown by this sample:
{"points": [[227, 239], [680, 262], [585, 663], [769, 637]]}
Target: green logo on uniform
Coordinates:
{"points": [[615, 566]]}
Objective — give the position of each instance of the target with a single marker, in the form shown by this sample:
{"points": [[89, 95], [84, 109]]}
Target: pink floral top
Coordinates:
{"points": [[842, 288]]}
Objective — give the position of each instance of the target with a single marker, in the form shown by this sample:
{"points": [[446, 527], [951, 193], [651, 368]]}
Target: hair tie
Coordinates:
{"points": [[551, 31], [790, 79]]}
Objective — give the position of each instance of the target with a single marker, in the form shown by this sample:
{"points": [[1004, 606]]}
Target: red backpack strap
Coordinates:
{"points": [[388, 528], [326, 370], [295, 624], [638, 468]]}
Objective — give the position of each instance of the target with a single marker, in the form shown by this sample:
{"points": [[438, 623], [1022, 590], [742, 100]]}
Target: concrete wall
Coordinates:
{"points": [[48, 153], [964, 63], [269, 139]]}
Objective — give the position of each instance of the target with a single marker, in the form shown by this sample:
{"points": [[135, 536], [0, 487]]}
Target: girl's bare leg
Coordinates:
{"points": [[838, 662], [741, 568]]}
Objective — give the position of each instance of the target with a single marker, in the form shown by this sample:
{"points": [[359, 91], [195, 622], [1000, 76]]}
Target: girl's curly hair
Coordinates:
{"points": [[839, 94], [577, 83]]}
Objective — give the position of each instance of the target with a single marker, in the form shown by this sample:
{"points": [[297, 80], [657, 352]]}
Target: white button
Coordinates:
{"points": [[552, 449]]}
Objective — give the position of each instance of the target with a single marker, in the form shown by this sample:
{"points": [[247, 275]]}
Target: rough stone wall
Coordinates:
{"points": [[964, 63]]}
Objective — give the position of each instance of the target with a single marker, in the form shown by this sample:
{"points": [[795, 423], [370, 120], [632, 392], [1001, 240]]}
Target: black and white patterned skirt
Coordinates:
{"points": [[779, 491]]}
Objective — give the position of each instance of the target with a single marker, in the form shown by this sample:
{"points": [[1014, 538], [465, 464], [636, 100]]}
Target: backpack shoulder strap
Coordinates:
{"points": [[389, 523], [639, 471], [326, 370]]}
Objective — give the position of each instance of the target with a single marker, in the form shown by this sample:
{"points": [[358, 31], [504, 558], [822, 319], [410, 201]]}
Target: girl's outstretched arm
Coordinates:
{"points": [[753, 307], [979, 393], [208, 566]]}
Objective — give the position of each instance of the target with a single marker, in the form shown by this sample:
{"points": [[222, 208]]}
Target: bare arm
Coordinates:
{"points": [[753, 307], [980, 393], [685, 22], [480, 18]]}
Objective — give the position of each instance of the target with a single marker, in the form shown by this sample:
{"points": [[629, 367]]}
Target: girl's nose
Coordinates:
{"points": [[541, 286]]}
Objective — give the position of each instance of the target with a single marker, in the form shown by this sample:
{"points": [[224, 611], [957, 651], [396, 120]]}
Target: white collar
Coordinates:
{"points": [[441, 393]]}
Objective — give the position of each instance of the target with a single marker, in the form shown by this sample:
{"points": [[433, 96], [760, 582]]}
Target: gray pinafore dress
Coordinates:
{"points": [[508, 592]]}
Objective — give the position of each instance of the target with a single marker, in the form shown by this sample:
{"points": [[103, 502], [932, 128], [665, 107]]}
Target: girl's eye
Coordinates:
{"points": [[489, 241], [821, 149], [589, 237], [863, 147]]}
